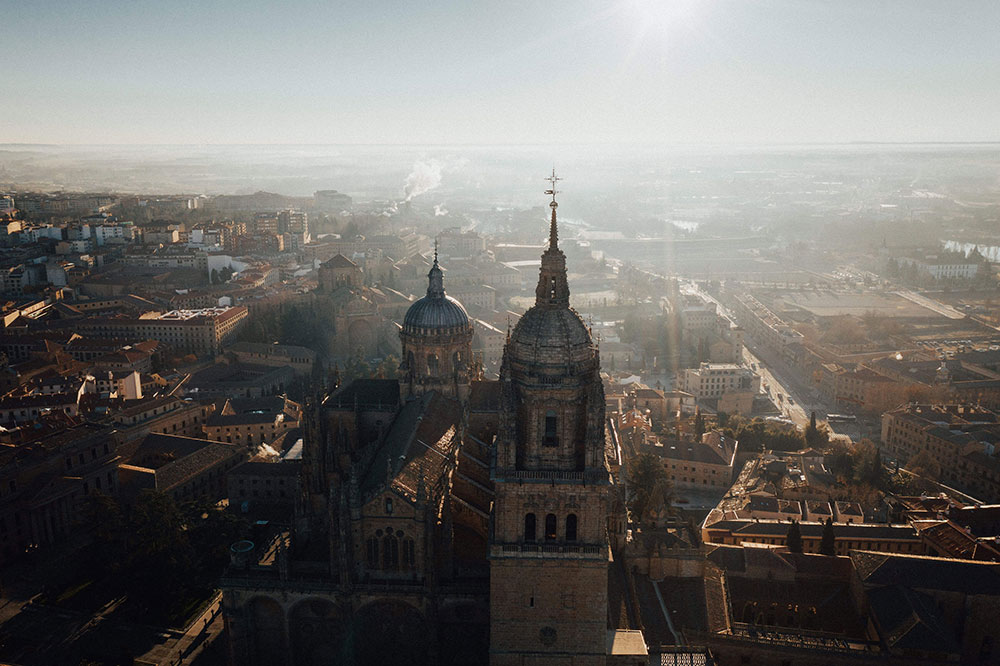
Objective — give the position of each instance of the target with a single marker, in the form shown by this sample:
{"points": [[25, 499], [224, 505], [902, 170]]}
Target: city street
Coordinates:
{"points": [[797, 398]]}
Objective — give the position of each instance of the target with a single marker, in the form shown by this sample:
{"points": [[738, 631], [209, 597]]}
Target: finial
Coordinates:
{"points": [[435, 279], [553, 231]]}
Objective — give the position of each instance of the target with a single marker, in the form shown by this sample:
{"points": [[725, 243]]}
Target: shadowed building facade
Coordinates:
{"points": [[445, 519], [549, 548]]}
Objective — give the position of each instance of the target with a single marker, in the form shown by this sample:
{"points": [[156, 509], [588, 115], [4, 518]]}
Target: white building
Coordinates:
{"points": [[711, 380]]}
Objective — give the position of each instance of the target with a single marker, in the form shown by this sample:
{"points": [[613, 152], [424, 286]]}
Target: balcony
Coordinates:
{"points": [[549, 551]]}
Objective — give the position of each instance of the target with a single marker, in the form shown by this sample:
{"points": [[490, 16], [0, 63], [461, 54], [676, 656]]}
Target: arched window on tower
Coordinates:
{"points": [[410, 366], [571, 527], [372, 553], [390, 553], [529, 527], [409, 553], [432, 365], [550, 527], [551, 437]]}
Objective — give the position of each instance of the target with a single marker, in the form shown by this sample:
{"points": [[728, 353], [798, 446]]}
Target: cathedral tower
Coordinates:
{"points": [[437, 343], [549, 543]]}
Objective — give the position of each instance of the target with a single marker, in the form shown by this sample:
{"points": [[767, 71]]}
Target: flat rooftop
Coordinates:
{"points": [[825, 303]]}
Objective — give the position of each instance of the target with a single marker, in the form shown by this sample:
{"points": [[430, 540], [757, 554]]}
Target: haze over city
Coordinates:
{"points": [[587, 333]]}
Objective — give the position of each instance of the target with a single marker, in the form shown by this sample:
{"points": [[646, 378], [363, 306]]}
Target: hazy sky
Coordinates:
{"points": [[509, 71]]}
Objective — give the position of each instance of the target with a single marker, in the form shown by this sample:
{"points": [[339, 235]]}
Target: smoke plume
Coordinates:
{"points": [[425, 177]]}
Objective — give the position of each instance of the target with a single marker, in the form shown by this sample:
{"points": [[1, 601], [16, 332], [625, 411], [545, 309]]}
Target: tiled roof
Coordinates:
{"points": [[420, 443], [908, 620], [929, 573], [366, 393], [484, 396], [273, 469]]}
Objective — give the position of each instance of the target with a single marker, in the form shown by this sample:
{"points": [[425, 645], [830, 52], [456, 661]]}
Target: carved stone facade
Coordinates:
{"points": [[446, 520], [549, 550]]}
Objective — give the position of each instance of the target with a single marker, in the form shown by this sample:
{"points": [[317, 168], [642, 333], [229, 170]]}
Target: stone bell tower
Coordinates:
{"points": [[549, 542]]}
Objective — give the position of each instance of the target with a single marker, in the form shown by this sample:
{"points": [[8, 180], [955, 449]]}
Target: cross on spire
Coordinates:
{"points": [[553, 179], [435, 251]]}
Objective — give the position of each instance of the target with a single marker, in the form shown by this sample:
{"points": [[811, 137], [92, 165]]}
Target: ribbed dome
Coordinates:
{"points": [[547, 336], [435, 312]]}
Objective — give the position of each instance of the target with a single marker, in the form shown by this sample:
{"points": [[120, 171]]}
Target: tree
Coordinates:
{"points": [[793, 538], [840, 461], [649, 486], [828, 542], [815, 436], [923, 464], [699, 424], [160, 556], [102, 518], [215, 276], [868, 463], [388, 368]]}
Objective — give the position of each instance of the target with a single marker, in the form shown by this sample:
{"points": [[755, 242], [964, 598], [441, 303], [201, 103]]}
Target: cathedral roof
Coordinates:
{"points": [[419, 445], [367, 393], [436, 311], [339, 261]]}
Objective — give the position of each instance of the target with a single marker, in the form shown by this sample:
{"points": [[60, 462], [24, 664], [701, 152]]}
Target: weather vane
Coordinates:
{"points": [[553, 179]]}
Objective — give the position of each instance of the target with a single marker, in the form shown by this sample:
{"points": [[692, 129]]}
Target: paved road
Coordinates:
{"points": [[779, 379]]}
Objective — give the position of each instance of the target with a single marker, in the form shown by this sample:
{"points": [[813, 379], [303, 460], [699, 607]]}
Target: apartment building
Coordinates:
{"points": [[201, 331], [704, 464], [711, 380], [961, 440]]}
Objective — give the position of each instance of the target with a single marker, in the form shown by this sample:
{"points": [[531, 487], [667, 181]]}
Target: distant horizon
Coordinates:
{"points": [[417, 144]]}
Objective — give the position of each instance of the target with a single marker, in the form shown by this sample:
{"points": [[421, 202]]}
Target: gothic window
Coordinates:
{"points": [[571, 527], [372, 553], [390, 553], [409, 554], [550, 527], [551, 433], [432, 365], [388, 506], [529, 527]]}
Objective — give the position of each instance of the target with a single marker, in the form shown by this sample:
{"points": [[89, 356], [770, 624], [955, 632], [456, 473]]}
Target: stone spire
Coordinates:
{"points": [[553, 287], [435, 278]]}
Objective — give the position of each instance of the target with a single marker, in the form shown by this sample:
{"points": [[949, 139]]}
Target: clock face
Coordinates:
{"points": [[547, 635]]}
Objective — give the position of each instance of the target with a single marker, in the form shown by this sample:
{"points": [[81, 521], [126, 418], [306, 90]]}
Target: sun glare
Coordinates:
{"points": [[663, 15]]}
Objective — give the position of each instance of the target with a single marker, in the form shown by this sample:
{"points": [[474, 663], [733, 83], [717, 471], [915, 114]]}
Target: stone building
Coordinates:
{"points": [[549, 547], [444, 519]]}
